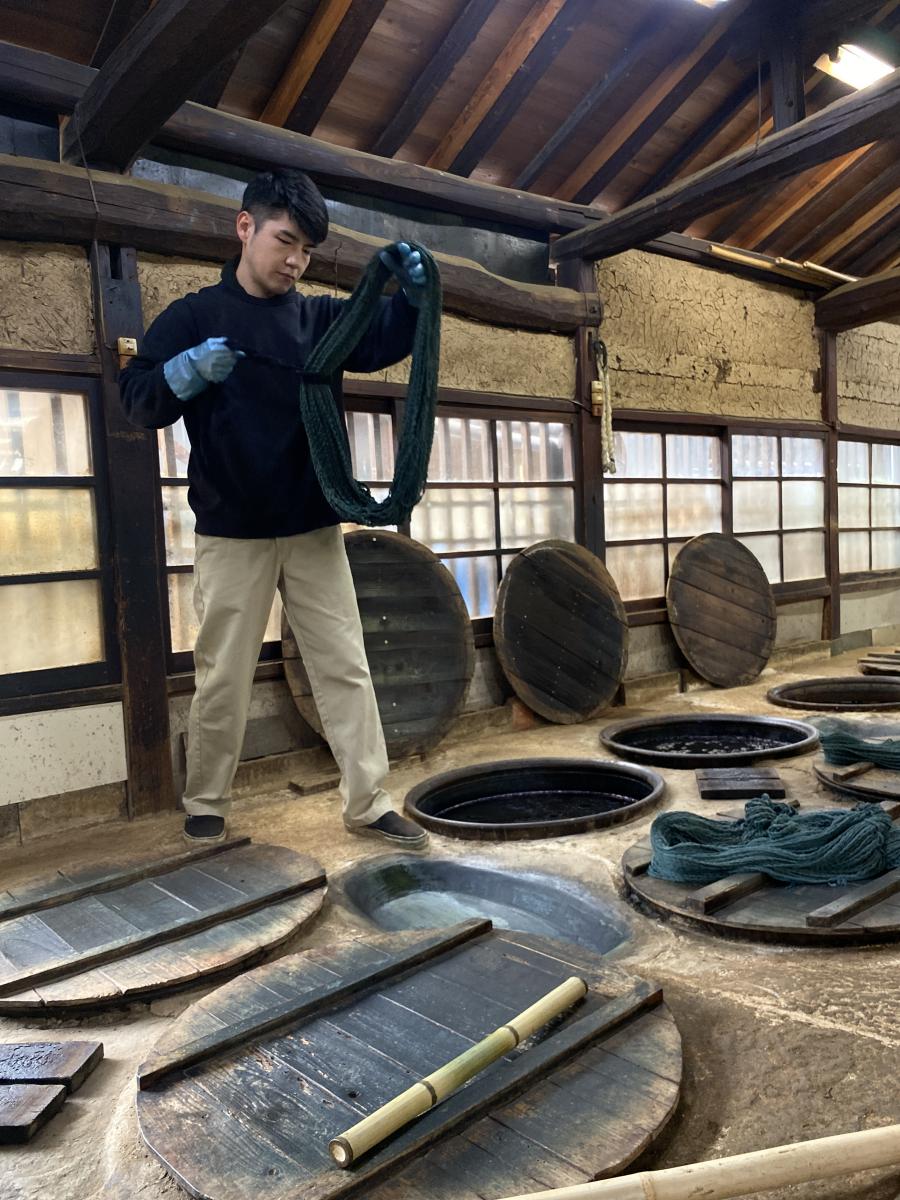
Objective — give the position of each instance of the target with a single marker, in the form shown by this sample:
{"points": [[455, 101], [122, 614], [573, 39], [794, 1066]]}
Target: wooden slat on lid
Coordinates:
{"points": [[721, 609], [418, 638], [560, 631]]}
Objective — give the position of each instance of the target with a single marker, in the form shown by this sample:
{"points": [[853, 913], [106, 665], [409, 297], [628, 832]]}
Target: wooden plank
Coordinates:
{"points": [[123, 15], [724, 891], [530, 30], [577, 182], [293, 1011], [510, 98], [56, 84], [68, 887], [313, 44], [25, 1108], [327, 74], [853, 121], [68, 1063], [130, 98], [858, 898], [71, 961], [419, 96], [739, 783]]}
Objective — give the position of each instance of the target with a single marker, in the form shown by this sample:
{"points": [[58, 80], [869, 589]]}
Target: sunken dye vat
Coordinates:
{"points": [[841, 693], [406, 892], [714, 740], [532, 798]]}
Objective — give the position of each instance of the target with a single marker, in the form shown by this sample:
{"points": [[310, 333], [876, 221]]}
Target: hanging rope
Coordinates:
{"points": [[350, 499], [838, 846]]}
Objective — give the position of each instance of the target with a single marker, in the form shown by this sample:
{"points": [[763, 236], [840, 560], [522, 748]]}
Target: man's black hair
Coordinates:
{"points": [[293, 192]]}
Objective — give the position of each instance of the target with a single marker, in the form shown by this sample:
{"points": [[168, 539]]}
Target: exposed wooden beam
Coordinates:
{"points": [[513, 96], [121, 18], [874, 299], [50, 83], [781, 35], [639, 112], [313, 43], [511, 58], [703, 134], [632, 56], [870, 248], [153, 71], [850, 122], [51, 201], [834, 245], [668, 105], [213, 87], [331, 66], [880, 255], [453, 46]]}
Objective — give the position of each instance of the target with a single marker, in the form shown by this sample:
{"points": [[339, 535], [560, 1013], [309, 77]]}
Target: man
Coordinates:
{"points": [[261, 518]]}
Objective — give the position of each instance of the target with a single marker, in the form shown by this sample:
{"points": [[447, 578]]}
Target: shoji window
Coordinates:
{"points": [[868, 506]]}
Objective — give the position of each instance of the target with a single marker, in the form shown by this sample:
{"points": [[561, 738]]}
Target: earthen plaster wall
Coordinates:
{"points": [[45, 298], [683, 338], [868, 370], [474, 356]]}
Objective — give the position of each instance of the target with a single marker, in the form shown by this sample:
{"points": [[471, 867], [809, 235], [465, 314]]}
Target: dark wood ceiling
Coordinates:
{"points": [[586, 100]]}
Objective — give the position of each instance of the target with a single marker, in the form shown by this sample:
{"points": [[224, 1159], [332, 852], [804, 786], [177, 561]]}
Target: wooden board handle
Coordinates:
{"points": [[348, 1146]]}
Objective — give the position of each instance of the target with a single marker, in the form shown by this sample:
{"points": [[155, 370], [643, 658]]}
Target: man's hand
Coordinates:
{"points": [[188, 373], [406, 264]]}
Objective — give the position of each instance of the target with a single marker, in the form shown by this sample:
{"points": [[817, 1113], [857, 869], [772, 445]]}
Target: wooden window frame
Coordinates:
{"points": [[873, 577]]}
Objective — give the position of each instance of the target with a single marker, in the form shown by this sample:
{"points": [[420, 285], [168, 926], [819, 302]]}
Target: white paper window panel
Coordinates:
{"points": [[675, 549], [803, 503], [804, 555], [853, 552], [633, 510], [461, 451], [885, 463], [174, 450], [853, 508], [802, 456], [184, 623], [533, 514], [455, 519], [532, 451], [372, 445], [178, 526], [885, 507], [47, 529], [765, 547], [693, 508], [754, 454], [637, 570], [638, 455], [477, 580], [853, 462], [58, 624], [693, 456], [754, 504], [885, 549], [44, 433]]}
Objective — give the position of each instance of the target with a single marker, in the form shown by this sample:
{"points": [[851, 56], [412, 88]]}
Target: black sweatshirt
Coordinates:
{"points": [[250, 472]]}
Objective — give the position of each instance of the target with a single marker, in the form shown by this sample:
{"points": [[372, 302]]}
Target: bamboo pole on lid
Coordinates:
{"points": [[348, 1146], [745, 1174]]}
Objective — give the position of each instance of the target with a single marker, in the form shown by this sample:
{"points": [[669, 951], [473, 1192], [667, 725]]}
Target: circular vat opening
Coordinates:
{"points": [[532, 798], [843, 692], [407, 892], [708, 740]]}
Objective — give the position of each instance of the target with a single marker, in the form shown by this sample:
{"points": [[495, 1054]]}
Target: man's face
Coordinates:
{"points": [[275, 254]]}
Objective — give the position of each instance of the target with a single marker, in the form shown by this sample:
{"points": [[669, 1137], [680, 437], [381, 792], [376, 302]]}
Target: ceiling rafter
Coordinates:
{"points": [[874, 299], [631, 58], [541, 56], [510, 59], [130, 98], [320, 63], [836, 130], [874, 249], [435, 74], [614, 138], [838, 246], [123, 15]]}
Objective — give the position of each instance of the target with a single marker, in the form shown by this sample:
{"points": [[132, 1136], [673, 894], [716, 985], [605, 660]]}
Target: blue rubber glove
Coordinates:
{"points": [[406, 264], [188, 373]]}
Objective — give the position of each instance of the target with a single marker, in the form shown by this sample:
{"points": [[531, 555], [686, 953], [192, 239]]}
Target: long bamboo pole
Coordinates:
{"points": [[745, 1174], [427, 1092]]}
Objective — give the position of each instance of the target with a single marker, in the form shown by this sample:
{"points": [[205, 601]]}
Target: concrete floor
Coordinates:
{"points": [[780, 1044]]}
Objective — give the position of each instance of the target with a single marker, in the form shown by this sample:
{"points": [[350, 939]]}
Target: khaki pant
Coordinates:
{"points": [[234, 587]]}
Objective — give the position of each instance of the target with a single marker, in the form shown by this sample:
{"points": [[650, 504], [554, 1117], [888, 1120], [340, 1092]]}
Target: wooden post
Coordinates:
{"points": [[138, 554], [831, 612], [784, 50]]}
